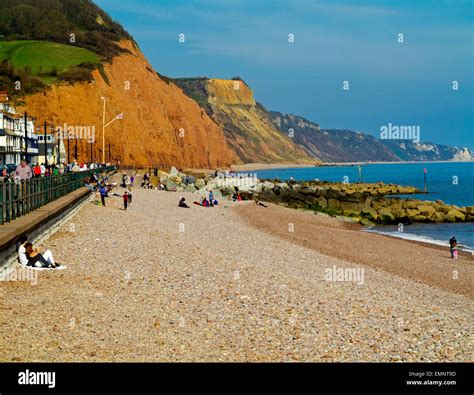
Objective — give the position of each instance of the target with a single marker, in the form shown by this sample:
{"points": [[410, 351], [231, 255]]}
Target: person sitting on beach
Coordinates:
{"points": [[259, 203], [28, 256], [182, 203], [36, 259], [452, 244]]}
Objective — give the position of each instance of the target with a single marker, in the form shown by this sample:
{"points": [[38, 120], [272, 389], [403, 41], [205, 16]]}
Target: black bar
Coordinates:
{"points": [[380, 378]]}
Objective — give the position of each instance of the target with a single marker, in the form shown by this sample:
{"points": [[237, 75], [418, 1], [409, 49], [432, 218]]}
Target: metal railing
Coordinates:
{"points": [[20, 198]]}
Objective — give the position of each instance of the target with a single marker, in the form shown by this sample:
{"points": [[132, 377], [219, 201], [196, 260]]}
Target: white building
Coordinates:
{"points": [[12, 135]]}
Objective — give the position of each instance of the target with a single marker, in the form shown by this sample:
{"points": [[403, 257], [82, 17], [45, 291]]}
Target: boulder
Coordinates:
{"points": [[258, 187], [189, 188], [370, 214], [410, 203], [296, 187], [281, 185], [334, 204], [268, 196], [268, 185], [176, 179], [311, 200], [170, 185], [379, 203], [420, 218], [351, 208], [412, 213], [426, 210], [200, 183], [173, 172], [454, 216], [470, 213], [227, 191], [386, 216], [322, 202]]}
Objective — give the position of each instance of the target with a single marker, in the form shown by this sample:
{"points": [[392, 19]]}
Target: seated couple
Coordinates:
{"points": [[29, 256]]}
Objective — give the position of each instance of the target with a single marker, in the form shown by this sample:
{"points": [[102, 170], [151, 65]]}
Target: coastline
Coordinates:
{"points": [[271, 166]]}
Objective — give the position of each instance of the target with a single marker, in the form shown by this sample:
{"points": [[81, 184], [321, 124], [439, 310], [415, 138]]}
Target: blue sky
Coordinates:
{"points": [[406, 83]]}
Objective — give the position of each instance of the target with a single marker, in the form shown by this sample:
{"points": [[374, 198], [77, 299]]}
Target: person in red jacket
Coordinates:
{"points": [[37, 171], [125, 200]]}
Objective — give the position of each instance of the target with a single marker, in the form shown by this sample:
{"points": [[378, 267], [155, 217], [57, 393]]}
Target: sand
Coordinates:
{"points": [[162, 283]]}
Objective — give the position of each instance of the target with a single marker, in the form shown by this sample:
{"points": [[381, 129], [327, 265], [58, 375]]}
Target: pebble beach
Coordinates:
{"points": [[237, 282]]}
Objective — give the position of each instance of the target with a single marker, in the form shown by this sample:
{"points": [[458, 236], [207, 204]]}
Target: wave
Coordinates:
{"points": [[413, 237]]}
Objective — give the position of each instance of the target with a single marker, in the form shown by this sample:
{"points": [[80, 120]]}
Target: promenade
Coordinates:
{"points": [[162, 283]]}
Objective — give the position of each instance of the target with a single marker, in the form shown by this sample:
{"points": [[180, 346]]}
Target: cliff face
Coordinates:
{"points": [[161, 125], [247, 125], [333, 145]]}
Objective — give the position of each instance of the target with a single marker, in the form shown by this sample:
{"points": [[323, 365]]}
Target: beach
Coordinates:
{"points": [[237, 282]]}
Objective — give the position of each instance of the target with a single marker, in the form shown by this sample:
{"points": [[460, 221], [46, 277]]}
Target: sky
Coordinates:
{"points": [[399, 57]]}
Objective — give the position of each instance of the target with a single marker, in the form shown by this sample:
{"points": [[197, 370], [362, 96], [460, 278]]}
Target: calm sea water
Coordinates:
{"points": [[452, 183]]}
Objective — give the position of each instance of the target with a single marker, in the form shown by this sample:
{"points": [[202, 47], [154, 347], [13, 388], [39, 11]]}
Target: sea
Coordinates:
{"points": [[451, 182]]}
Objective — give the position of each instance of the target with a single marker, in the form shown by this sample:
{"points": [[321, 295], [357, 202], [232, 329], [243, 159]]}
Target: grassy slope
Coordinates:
{"points": [[43, 56]]}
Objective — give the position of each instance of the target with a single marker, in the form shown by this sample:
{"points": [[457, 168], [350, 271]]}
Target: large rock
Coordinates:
{"points": [[349, 208], [170, 185], [386, 216], [370, 213], [200, 183], [173, 172], [426, 210], [322, 202], [412, 213], [379, 203], [334, 204], [470, 213], [454, 216], [176, 179], [268, 185], [311, 200]]}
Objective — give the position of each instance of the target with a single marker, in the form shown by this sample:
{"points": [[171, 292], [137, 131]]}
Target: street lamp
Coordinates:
{"points": [[104, 125]]}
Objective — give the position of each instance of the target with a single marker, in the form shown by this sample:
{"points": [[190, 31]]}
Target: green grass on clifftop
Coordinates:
{"points": [[43, 58]]}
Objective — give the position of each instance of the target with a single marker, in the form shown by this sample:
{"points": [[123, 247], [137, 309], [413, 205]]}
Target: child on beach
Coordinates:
{"points": [[453, 243], [125, 200], [130, 196]]}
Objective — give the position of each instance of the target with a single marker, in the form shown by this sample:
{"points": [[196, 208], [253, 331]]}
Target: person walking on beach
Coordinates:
{"points": [[452, 246], [103, 194], [125, 200]]}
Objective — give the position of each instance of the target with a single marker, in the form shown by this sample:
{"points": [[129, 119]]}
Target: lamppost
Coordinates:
{"points": [[59, 147], [26, 136], [104, 125], [68, 151]]}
